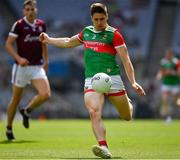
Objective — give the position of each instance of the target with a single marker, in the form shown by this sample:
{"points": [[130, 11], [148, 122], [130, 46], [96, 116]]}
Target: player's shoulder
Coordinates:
{"points": [[90, 28], [19, 21], [163, 60], [175, 60], [40, 21], [111, 29]]}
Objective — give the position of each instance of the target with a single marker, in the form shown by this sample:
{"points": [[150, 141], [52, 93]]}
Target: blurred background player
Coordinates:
{"points": [[169, 76], [31, 62], [102, 43]]}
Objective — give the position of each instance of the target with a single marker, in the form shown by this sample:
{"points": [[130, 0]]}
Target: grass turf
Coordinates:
{"points": [[72, 139]]}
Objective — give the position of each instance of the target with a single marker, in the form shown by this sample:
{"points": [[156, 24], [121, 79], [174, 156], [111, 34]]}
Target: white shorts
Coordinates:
{"points": [[172, 89], [117, 85], [21, 76]]}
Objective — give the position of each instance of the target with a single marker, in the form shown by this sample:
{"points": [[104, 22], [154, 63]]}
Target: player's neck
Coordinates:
{"points": [[31, 21], [101, 30]]}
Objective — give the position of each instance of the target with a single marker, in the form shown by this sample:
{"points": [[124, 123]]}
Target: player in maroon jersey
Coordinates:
{"points": [[31, 64], [101, 44]]}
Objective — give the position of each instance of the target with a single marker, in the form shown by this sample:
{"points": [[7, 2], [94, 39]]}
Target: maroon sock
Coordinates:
{"points": [[103, 143]]}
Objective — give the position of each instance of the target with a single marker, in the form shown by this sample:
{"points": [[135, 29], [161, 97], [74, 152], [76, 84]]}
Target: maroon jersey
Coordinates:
{"points": [[28, 44]]}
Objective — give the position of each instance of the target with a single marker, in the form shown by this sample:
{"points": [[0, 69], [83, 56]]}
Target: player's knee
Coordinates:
{"points": [[45, 96], [15, 101], [94, 113], [127, 117]]}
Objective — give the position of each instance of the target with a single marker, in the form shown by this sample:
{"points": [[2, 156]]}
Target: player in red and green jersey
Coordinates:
{"points": [[101, 43], [104, 45], [169, 75]]}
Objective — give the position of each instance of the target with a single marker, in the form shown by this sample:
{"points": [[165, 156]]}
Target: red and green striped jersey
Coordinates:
{"points": [[100, 50], [170, 65]]}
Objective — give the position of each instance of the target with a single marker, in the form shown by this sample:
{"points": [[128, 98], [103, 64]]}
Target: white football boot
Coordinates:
{"points": [[101, 151]]}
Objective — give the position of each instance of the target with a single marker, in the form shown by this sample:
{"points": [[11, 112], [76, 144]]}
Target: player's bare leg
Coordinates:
{"points": [[43, 89], [176, 97], [165, 110], [123, 106], [94, 103], [16, 97]]}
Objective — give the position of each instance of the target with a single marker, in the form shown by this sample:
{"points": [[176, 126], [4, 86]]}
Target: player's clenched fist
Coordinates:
{"points": [[43, 37]]}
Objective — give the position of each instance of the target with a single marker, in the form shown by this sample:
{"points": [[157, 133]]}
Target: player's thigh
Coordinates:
{"points": [[123, 106], [39, 80], [42, 86], [94, 101]]}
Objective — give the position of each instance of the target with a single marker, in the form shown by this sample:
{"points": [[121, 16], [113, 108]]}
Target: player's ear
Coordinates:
{"points": [[92, 19], [107, 16], [23, 11], [36, 10]]}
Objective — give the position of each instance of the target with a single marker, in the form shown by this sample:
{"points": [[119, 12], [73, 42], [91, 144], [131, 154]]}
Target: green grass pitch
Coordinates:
{"points": [[72, 139]]}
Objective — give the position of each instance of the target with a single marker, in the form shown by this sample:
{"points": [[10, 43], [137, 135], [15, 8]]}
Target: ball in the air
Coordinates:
{"points": [[101, 82]]}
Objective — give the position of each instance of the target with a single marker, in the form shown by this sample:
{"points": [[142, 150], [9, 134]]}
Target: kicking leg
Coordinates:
{"points": [[123, 106]]}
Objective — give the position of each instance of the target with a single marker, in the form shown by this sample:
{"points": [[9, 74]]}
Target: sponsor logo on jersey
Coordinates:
{"points": [[30, 38], [86, 35], [105, 36], [109, 70]]}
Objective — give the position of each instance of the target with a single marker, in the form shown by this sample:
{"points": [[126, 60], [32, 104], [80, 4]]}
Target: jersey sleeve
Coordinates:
{"points": [[178, 65], [80, 36], [118, 40], [15, 30]]}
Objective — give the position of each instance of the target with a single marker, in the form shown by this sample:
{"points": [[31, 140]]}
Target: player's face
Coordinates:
{"points": [[30, 11], [99, 21], [169, 55]]}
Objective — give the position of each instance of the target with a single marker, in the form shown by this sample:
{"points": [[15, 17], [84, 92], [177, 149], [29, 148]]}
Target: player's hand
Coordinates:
{"points": [[22, 61], [43, 37], [140, 91]]}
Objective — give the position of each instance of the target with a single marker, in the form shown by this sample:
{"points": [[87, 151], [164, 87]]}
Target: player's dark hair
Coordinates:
{"points": [[98, 8], [169, 50], [30, 2]]}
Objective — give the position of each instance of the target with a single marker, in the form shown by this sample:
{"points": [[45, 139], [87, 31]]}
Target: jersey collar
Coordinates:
{"points": [[31, 24], [101, 31]]}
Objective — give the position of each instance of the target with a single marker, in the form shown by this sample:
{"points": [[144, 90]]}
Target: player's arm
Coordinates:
{"points": [[159, 75], [11, 50], [124, 56], [45, 56], [167, 72], [60, 42]]}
